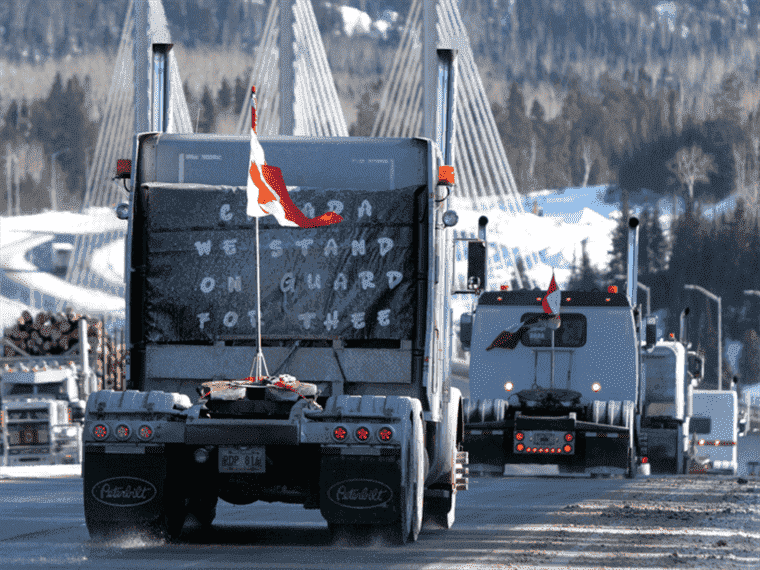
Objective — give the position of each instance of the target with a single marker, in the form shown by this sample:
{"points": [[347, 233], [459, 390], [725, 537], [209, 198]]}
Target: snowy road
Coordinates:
{"points": [[518, 523]]}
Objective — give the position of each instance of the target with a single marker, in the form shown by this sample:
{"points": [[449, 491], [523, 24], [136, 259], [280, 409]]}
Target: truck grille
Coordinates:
{"points": [[28, 435]]}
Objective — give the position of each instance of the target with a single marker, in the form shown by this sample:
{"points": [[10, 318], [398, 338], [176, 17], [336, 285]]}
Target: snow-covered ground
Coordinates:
{"points": [[19, 234], [32, 471]]}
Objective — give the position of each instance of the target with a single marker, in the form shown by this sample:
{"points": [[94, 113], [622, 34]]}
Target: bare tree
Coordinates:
{"points": [[692, 165], [590, 150]]}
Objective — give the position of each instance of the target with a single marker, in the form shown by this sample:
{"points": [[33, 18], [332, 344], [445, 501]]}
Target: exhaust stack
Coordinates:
{"points": [[633, 259], [682, 327], [160, 105]]}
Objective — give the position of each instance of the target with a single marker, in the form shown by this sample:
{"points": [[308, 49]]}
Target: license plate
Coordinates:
{"points": [[542, 438], [242, 459]]}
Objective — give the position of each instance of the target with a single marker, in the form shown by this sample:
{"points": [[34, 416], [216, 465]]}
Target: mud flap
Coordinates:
{"points": [[607, 451], [360, 489], [123, 489], [486, 446]]}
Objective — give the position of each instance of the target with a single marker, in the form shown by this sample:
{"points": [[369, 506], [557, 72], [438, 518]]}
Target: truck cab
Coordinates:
{"points": [[39, 416]]}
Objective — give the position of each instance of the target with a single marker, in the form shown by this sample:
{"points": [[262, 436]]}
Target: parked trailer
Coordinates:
{"points": [[570, 396], [356, 416]]}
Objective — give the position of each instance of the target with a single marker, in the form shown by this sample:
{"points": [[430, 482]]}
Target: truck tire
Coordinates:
{"points": [[102, 531], [172, 519], [467, 409], [204, 510], [407, 528]]}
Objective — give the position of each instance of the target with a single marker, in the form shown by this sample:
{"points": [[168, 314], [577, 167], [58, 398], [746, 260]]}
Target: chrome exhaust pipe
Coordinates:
{"points": [[633, 259]]}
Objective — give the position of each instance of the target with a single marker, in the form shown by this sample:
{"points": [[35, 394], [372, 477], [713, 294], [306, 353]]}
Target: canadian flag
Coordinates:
{"points": [[266, 191], [552, 298]]}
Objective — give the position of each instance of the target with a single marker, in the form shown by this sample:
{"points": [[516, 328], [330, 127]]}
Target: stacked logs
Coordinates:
{"points": [[49, 333]]}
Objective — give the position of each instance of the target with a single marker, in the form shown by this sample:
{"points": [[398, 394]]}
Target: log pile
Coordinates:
{"points": [[49, 333]]}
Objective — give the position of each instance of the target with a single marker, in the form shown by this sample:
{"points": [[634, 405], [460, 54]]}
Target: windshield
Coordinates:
{"points": [[50, 389]]}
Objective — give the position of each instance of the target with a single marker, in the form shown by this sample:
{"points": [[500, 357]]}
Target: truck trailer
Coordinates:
{"points": [[355, 415], [569, 396]]}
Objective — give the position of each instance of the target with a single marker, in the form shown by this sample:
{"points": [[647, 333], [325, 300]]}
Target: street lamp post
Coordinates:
{"points": [[53, 180], [752, 292], [649, 298], [720, 328]]}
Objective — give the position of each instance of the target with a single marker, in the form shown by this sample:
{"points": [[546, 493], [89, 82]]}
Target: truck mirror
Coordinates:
{"points": [[476, 264], [699, 425], [465, 330], [651, 332]]}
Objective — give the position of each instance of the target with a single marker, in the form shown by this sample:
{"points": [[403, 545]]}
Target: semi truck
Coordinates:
{"points": [[356, 415], [42, 402], [570, 396], [671, 373]]}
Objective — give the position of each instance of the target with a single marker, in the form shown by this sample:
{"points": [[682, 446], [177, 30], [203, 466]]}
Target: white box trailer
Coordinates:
{"points": [[716, 439]]}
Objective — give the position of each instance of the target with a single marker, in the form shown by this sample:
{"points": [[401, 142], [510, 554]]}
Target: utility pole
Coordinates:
{"points": [[720, 327], [8, 180]]}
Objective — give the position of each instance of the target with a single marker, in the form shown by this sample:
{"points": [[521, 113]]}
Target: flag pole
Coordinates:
{"points": [[259, 361]]}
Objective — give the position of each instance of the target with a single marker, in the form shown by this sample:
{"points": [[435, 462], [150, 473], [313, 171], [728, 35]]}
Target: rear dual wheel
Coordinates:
{"points": [[407, 528]]}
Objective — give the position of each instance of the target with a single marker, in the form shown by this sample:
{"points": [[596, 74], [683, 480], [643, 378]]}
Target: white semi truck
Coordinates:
{"points": [[356, 417], [42, 402], [569, 396]]}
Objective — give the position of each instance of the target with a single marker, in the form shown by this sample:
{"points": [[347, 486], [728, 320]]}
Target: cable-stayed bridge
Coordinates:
{"points": [[297, 95]]}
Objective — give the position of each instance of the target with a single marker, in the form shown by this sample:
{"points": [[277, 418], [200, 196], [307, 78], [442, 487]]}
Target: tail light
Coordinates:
{"points": [[385, 434], [123, 431], [340, 433], [70, 420], [644, 460], [145, 432], [520, 447], [567, 448], [362, 434], [519, 436], [100, 431], [568, 437]]}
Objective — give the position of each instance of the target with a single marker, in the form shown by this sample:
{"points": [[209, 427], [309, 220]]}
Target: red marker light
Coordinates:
{"points": [[385, 434], [568, 437], [644, 460], [612, 289], [520, 447], [122, 432], [362, 434], [519, 436], [100, 431], [568, 448], [145, 432], [340, 433]]}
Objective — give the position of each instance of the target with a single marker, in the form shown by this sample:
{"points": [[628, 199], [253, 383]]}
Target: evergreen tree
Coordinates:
{"points": [[749, 361], [365, 116], [583, 277], [242, 91], [207, 117], [224, 96]]}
